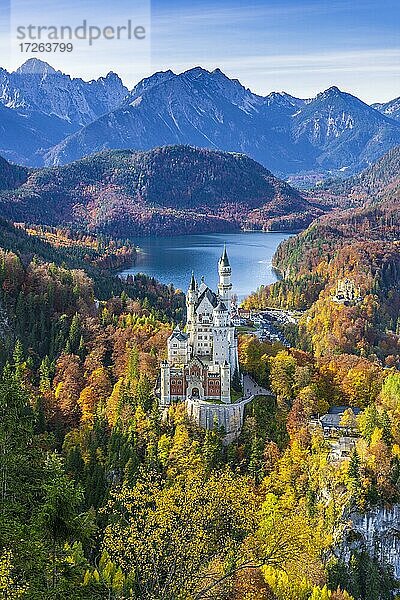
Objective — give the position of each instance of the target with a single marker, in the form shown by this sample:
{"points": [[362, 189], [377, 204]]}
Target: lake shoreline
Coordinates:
{"points": [[289, 232], [171, 259]]}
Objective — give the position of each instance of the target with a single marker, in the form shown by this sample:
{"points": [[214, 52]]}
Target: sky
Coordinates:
{"points": [[299, 46]]}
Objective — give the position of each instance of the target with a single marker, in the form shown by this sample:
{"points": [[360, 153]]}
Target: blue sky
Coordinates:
{"points": [[300, 46]]}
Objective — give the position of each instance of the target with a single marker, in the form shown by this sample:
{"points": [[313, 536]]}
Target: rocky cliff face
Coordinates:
{"points": [[377, 532], [37, 85]]}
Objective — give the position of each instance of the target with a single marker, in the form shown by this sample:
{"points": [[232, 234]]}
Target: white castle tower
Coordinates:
{"points": [[225, 284], [191, 300], [203, 359]]}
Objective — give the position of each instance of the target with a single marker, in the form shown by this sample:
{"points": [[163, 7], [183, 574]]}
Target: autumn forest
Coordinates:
{"points": [[104, 496]]}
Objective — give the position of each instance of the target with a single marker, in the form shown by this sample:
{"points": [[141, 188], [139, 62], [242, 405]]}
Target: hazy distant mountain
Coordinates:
{"points": [[24, 132], [166, 190], [64, 119], [390, 109], [343, 133]]}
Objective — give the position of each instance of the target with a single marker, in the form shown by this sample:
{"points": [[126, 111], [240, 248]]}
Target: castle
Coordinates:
{"points": [[203, 360], [346, 293]]}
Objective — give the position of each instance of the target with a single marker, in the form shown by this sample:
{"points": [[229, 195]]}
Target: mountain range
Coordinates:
{"points": [[49, 118], [390, 109], [169, 190], [40, 106]]}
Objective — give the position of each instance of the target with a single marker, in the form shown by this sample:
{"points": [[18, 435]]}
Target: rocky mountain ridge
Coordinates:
{"points": [[49, 118]]}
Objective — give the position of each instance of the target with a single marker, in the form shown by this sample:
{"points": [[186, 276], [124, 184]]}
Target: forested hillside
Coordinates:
{"points": [[163, 191], [11, 176], [361, 244], [380, 181], [101, 498]]}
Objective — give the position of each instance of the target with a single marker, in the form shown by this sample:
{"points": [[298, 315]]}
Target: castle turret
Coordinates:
{"points": [[225, 284], [191, 299], [165, 398], [220, 333], [226, 382], [178, 347], [220, 315], [192, 286]]}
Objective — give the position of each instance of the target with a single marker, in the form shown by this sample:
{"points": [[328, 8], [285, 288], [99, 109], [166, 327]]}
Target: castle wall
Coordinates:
{"points": [[229, 416]]}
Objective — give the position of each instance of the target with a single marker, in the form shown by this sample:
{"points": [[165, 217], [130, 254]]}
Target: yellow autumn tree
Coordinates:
{"points": [[113, 405], [87, 402], [9, 588], [191, 537]]}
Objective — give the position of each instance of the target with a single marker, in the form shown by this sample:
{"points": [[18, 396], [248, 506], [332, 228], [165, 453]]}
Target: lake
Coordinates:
{"points": [[172, 259]]}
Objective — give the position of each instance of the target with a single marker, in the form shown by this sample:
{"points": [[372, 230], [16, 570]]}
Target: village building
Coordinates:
{"points": [[339, 428], [346, 293]]}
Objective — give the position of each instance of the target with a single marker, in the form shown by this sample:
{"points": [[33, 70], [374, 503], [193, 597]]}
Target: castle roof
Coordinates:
{"points": [[202, 286], [224, 260], [195, 360], [339, 410], [210, 295], [221, 307], [179, 335], [334, 417]]}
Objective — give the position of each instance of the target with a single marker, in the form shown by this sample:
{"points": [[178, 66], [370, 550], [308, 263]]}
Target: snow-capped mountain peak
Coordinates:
{"points": [[195, 73], [331, 92], [38, 87], [34, 66], [391, 109], [66, 118]]}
